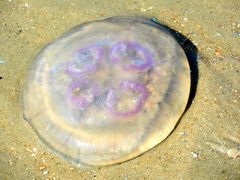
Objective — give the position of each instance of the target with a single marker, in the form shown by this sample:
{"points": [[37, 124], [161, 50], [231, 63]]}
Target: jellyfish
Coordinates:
{"points": [[100, 96]]}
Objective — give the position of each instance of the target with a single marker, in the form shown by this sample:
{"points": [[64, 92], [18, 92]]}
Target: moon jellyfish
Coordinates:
{"points": [[107, 91]]}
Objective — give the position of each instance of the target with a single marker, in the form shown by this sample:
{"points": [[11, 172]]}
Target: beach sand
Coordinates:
{"points": [[204, 143]]}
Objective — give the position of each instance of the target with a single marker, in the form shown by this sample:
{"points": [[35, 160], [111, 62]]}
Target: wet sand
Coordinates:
{"points": [[204, 143]]}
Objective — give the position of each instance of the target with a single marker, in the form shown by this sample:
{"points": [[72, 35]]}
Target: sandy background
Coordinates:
{"points": [[201, 146]]}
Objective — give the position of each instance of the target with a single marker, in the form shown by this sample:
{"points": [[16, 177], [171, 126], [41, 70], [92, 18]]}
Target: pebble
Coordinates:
{"points": [[236, 33], [28, 149], [194, 154], [146, 9], [182, 133], [43, 160], [234, 152], [18, 158], [143, 10], [42, 167], [45, 172], [33, 155], [217, 34], [218, 52], [34, 149]]}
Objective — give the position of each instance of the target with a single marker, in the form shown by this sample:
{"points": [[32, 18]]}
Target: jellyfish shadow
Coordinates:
{"points": [[192, 54]]}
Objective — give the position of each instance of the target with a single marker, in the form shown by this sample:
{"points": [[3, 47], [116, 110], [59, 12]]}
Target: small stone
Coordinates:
{"points": [[194, 154], [182, 133], [146, 9], [34, 149], [236, 33], [149, 8], [42, 167], [28, 149], [218, 52], [234, 152], [45, 172], [19, 31], [217, 34], [143, 10]]}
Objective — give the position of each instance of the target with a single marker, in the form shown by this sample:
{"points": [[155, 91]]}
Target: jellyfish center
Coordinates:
{"points": [[126, 100]]}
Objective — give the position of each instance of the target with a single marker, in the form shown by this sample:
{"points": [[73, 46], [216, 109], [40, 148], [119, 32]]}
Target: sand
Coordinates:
{"points": [[204, 143]]}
